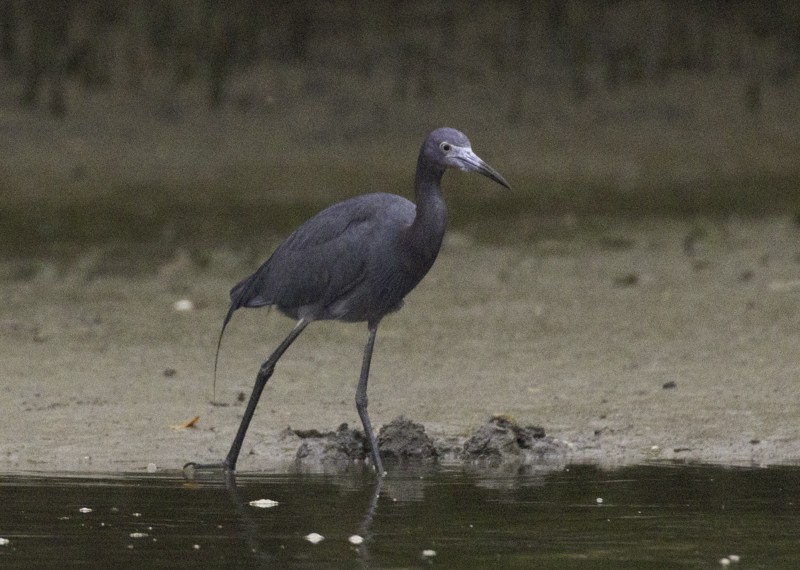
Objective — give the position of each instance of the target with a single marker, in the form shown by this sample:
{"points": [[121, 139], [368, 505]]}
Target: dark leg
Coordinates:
{"points": [[361, 399], [264, 374]]}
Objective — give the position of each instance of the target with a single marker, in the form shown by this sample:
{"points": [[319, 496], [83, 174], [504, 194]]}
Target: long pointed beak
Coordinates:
{"points": [[471, 162]]}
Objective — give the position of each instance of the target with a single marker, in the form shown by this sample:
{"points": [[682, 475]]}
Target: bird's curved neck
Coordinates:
{"points": [[429, 224]]}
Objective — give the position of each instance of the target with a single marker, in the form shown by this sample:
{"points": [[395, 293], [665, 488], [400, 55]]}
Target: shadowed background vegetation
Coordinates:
{"points": [[180, 122]]}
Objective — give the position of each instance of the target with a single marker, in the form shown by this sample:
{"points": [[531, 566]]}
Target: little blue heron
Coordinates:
{"points": [[355, 261]]}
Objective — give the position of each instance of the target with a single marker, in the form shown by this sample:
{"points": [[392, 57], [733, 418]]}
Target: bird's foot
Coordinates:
{"points": [[191, 468]]}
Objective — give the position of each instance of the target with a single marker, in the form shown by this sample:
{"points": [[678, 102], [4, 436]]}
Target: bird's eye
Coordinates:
{"points": [[446, 147]]}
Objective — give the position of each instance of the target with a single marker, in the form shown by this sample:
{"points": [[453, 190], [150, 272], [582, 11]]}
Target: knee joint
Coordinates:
{"points": [[266, 369]]}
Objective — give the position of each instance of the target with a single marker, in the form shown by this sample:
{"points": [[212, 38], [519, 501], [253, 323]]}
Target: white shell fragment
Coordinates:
{"points": [[599, 500], [356, 539], [152, 468], [734, 558], [138, 534], [782, 286], [264, 503], [428, 552], [4, 542], [85, 510], [314, 538], [183, 305]]}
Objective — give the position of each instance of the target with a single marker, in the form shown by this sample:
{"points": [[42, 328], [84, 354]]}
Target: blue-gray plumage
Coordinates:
{"points": [[356, 261]]}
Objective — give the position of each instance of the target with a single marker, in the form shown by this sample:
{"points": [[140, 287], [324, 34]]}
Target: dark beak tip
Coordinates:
{"points": [[500, 180], [477, 164]]}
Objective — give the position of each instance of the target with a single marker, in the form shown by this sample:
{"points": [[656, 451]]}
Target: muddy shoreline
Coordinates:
{"points": [[623, 344]]}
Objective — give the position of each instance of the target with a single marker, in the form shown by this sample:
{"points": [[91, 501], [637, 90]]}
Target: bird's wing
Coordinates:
{"points": [[324, 258]]}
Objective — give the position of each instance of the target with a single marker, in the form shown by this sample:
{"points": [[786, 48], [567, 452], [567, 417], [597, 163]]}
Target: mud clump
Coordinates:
{"points": [[503, 440], [500, 441], [341, 446], [404, 440]]}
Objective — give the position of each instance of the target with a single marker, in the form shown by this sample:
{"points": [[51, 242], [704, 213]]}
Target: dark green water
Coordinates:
{"points": [[649, 517]]}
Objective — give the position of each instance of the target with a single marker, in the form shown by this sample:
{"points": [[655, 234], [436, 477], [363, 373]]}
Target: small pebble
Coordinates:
{"points": [[724, 562], [264, 503], [734, 558], [85, 510], [151, 468], [138, 534], [599, 500], [428, 552], [626, 280], [196, 547], [183, 305], [4, 542], [356, 539], [314, 538]]}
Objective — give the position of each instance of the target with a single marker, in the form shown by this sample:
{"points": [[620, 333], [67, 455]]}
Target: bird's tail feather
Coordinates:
{"points": [[241, 296], [228, 316]]}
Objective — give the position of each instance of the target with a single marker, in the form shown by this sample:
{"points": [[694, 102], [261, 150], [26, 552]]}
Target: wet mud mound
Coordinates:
{"points": [[500, 441], [401, 440], [404, 440], [341, 446]]}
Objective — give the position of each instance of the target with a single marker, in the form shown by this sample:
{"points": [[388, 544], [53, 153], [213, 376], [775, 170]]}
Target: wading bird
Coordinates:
{"points": [[355, 261]]}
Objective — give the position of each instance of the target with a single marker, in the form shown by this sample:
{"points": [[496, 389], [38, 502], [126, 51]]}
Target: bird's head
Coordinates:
{"points": [[449, 148]]}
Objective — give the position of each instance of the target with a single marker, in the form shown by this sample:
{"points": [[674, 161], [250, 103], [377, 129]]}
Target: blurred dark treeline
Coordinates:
{"points": [[49, 48]]}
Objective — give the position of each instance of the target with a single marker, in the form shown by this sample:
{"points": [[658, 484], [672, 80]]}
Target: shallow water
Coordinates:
{"points": [[640, 517]]}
